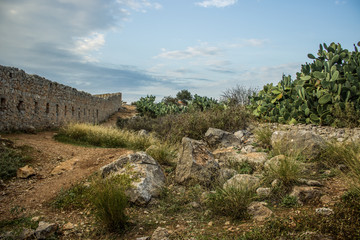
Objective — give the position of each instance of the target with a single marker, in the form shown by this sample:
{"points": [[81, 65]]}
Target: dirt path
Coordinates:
{"points": [[74, 163]]}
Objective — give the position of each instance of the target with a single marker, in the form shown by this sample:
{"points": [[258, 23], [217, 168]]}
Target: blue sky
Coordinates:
{"points": [[159, 47]]}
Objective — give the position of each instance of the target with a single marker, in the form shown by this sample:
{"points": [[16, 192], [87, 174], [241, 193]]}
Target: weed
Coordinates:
{"points": [[75, 197], [263, 137], [288, 201], [287, 170], [11, 159], [109, 201], [242, 167], [163, 153], [232, 201]]}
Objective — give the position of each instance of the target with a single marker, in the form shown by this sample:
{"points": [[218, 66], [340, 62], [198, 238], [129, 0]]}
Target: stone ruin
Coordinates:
{"points": [[33, 102]]}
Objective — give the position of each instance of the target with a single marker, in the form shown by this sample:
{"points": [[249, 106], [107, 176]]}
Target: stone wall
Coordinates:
{"points": [[30, 101]]}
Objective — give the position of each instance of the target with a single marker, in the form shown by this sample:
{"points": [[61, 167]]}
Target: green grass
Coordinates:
{"points": [[76, 197], [11, 159], [263, 137], [241, 167]]}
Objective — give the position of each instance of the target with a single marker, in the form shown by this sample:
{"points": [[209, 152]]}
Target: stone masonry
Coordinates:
{"points": [[33, 102]]}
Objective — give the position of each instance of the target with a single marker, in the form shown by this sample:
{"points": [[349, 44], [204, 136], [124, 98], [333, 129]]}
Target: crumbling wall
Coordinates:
{"points": [[30, 101]]}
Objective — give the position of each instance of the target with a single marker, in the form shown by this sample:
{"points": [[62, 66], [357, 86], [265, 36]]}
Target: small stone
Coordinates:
{"points": [[227, 223], [210, 223], [45, 229], [160, 234], [68, 226], [194, 205], [324, 211], [263, 192], [143, 238], [25, 172], [259, 212], [35, 219], [325, 199]]}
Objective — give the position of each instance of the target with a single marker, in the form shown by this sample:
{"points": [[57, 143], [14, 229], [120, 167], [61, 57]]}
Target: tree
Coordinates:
{"points": [[184, 96]]}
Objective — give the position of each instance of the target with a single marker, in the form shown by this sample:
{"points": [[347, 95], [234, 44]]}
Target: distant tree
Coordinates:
{"points": [[168, 100], [184, 96], [238, 95]]}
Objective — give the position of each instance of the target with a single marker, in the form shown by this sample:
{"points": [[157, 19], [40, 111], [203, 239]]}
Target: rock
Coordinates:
{"points": [[68, 226], [310, 182], [259, 212], [217, 137], [275, 183], [25, 172], [314, 236], [45, 230], [263, 192], [143, 133], [242, 180], [150, 178], [296, 141], [196, 163], [160, 234], [248, 149], [65, 166], [274, 161], [225, 174], [256, 159], [194, 205], [306, 194], [143, 238], [324, 211]]}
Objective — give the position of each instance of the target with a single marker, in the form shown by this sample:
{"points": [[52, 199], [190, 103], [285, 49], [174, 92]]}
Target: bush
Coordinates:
{"points": [[232, 201], [163, 153], [289, 201], [109, 201], [76, 197], [323, 90], [238, 95], [192, 124]]}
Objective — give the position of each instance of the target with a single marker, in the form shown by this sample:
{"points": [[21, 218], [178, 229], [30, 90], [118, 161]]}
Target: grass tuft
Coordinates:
{"points": [[11, 159]]}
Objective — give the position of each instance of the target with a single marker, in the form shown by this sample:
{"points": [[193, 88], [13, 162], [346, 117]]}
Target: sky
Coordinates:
{"points": [[159, 47]]}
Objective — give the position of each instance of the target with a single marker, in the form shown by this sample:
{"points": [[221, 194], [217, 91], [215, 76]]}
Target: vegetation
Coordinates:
{"points": [[232, 201], [11, 159], [193, 124], [238, 95], [183, 102], [324, 90], [263, 137]]}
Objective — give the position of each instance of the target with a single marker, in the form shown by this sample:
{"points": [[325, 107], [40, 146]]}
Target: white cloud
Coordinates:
{"points": [[251, 42], [216, 3], [140, 5], [190, 52], [85, 45]]}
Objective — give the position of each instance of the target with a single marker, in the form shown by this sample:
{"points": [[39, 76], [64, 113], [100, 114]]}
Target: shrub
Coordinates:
{"points": [[76, 197], [232, 201], [289, 201], [238, 95], [319, 93], [109, 201], [163, 153], [192, 124]]}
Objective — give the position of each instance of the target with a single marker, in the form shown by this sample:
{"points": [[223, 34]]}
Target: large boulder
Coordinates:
{"points": [[196, 163], [256, 159], [305, 142], [148, 175], [219, 138]]}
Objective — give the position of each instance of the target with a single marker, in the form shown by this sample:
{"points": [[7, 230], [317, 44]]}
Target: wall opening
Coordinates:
{"points": [[72, 111], [2, 104], [21, 107], [79, 112], [57, 110], [65, 110], [36, 107], [47, 111], [97, 115]]}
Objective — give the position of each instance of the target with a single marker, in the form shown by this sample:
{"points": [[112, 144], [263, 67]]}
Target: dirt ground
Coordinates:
{"points": [[75, 163]]}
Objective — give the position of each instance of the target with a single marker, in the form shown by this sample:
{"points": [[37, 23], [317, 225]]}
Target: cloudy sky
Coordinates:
{"points": [[159, 47]]}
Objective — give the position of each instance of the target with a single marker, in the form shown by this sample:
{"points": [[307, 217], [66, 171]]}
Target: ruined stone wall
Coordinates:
{"points": [[30, 101]]}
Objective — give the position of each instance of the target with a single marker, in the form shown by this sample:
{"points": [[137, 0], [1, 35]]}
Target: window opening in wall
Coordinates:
{"points": [[47, 108], [57, 110], [73, 111], [65, 110], [2, 104], [21, 106], [97, 114], [89, 113], [79, 112], [36, 107]]}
